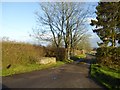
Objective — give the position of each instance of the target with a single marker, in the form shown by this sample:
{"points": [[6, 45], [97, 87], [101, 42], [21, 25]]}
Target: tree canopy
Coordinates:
{"points": [[107, 22], [62, 22]]}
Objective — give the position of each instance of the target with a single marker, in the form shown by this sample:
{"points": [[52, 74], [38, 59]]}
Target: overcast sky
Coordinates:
{"points": [[18, 19]]}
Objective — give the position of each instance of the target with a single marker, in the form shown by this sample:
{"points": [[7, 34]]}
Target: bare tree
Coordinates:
{"points": [[63, 21], [85, 44]]}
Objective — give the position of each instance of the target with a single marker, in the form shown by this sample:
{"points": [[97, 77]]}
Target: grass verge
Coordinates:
{"points": [[77, 57], [17, 69], [106, 76]]}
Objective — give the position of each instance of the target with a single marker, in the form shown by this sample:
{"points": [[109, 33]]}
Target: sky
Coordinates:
{"points": [[18, 19]]}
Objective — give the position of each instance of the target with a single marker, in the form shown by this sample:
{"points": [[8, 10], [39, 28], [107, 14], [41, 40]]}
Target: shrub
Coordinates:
{"points": [[109, 56], [20, 53], [59, 53], [49, 52]]}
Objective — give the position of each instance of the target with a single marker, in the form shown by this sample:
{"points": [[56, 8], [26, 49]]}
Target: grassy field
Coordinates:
{"points": [[77, 57], [108, 77], [17, 69], [22, 58], [81, 56]]}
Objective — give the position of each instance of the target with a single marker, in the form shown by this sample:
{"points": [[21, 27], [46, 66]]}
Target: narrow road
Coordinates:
{"points": [[66, 76]]}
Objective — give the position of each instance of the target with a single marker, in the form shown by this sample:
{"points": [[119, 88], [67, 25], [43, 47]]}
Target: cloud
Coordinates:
{"points": [[49, 0], [88, 20]]}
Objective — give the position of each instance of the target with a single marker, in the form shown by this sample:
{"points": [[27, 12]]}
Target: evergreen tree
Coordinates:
{"points": [[108, 22]]}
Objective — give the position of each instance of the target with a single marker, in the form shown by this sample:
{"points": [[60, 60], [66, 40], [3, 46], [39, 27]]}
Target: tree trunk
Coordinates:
{"points": [[67, 48], [67, 53], [113, 42], [113, 39]]}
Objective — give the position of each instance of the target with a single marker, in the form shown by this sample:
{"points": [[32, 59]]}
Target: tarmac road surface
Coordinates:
{"points": [[66, 76]]}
